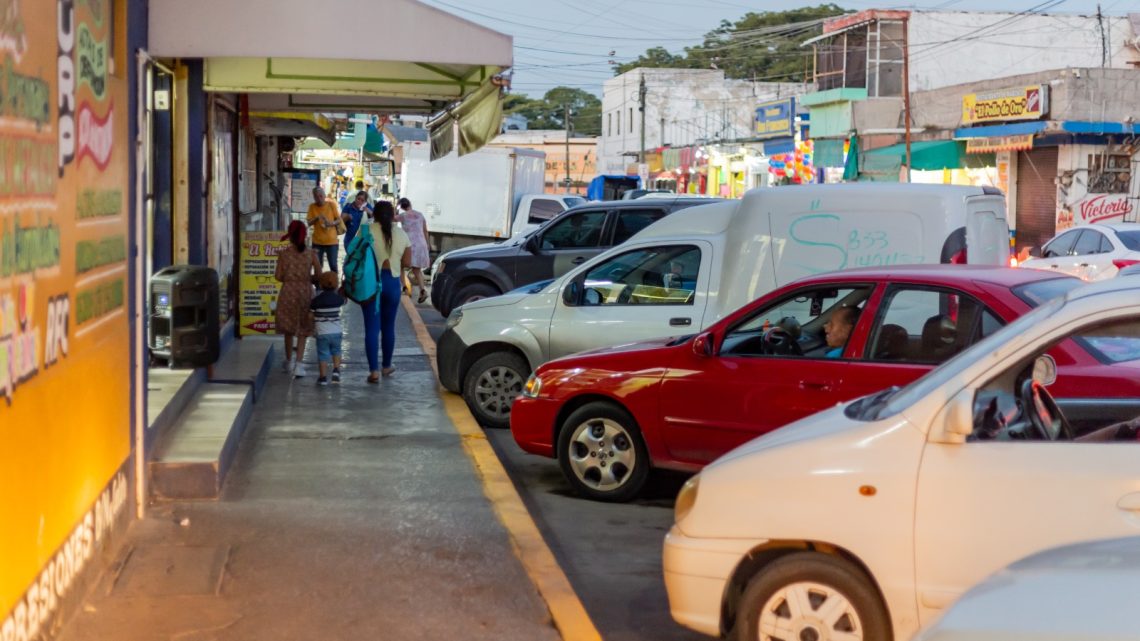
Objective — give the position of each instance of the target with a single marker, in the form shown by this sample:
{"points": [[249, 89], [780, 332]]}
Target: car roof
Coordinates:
{"points": [[639, 203], [942, 274], [1118, 226]]}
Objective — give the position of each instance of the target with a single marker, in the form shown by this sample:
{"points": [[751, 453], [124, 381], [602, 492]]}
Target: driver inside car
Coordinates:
{"points": [[838, 329]]}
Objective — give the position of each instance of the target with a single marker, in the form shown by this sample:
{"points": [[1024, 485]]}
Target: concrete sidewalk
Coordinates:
{"points": [[351, 513]]}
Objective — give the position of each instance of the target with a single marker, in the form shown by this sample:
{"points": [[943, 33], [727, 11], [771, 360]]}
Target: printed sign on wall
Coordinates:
{"points": [[1019, 103], [776, 119], [257, 298]]}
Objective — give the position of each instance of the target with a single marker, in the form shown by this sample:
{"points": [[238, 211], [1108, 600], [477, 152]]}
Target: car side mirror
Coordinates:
{"points": [[704, 345], [572, 293], [1035, 252], [956, 421], [532, 244]]}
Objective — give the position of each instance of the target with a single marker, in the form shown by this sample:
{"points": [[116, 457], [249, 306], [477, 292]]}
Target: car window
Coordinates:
{"points": [[1106, 245], [1088, 243], [1061, 245], [1041, 291], [1130, 239], [1116, 342], [802, 315], [928, 325], [543, 209], [574, 201], [648, 276], [581, 229], [631, 221]]}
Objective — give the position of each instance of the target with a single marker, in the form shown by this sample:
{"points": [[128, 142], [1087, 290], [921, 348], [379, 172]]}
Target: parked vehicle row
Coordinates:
{"points": [[1090, 252]]}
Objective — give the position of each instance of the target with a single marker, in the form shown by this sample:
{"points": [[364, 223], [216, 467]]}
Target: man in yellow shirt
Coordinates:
{"points": [[325, 220]]}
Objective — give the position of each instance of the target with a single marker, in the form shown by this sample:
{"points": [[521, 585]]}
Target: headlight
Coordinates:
{"points": [[686, 498], [438, 268], [455, 317], [533, 387]]}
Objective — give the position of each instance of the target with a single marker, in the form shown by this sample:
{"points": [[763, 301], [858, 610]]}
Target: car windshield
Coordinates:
{"points": [[1042, 291], [926, 385], [1131, 239]]}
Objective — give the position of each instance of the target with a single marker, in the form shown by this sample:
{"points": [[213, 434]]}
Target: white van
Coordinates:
{"points": [[707, 261]]}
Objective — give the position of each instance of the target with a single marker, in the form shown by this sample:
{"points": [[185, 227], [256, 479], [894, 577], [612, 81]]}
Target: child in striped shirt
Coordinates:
{"points": [[326, 316]]}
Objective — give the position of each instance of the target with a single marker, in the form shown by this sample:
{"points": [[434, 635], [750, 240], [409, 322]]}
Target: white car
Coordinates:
{"points": [[1082, 592], [1091, 252], [866, 520]]}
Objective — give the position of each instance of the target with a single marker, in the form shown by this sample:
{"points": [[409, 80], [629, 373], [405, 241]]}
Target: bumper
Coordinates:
{"points": [[441, 286], [696, 575], [448, 358], [532, 424]]}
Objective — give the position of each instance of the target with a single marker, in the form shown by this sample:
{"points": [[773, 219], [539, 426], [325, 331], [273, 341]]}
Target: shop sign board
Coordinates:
{"points": [[65, 334], [301, 186], [775, 119], [258, 288], [1018, 103], [999, 143]]}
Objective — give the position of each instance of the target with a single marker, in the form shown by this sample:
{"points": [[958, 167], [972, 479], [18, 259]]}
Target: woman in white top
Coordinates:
{"points": [[393, 255]]}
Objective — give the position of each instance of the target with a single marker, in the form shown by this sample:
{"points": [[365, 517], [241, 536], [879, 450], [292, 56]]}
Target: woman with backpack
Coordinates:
{"points": [[393, 255], [296, 267]]}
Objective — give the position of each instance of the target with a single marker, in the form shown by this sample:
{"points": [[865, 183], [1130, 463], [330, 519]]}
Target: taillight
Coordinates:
{"points": [[1121, 263], [1013, 261], [959, 257]]}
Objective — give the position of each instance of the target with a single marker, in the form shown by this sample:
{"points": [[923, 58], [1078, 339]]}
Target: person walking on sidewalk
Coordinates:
{"points": [[393, 254], [325, 220], [326, 318], [415, 225], [353, 214], [296, 266]]}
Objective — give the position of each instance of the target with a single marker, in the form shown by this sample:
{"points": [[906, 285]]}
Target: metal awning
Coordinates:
{"points": [[297, 125]]}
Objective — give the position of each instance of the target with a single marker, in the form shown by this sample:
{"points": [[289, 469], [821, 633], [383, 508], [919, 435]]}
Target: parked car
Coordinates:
{"points": [[634, 194], [868, 519], [1130, 270], [1091, 252], [680, 403], [578, 234], [717, 257], [1081, 592]]}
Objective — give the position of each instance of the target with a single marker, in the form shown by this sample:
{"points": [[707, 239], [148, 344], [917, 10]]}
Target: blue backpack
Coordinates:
{"points": [[361, 274]]}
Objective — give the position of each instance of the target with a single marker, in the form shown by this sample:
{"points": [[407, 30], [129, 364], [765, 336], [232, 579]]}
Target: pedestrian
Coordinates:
{"points": [[327, 225], [415, 225], [296, 266], [393, 254], [326, 320], [353, 214]]}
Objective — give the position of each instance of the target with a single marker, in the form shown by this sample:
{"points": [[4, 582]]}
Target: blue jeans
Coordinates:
{"points": [[371, 313], [329, 252], [328, 345], [389, 305]]}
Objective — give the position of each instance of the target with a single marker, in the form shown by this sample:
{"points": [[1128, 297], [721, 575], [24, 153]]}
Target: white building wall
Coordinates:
{"points": [[1076, 205], [954, 47], [683, 106]]}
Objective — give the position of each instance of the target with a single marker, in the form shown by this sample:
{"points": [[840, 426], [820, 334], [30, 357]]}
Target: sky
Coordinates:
{"points": [[569, 42]]}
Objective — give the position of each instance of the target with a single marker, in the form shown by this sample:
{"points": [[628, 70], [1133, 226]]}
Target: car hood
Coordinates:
{"points": [[510, 298], [822, 425], [485, 250]]}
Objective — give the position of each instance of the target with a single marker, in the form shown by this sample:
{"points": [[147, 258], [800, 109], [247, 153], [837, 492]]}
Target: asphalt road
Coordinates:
{"points": [[611, 553]]}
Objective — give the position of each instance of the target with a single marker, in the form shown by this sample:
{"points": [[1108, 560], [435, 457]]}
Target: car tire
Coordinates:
{"points": [[773, 603], [602, 454], [491, 385], [472, 292]]}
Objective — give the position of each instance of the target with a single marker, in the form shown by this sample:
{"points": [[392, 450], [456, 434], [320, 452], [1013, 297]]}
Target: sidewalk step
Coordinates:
{"points": [[246, 361], [168, 393], [192, 460]]}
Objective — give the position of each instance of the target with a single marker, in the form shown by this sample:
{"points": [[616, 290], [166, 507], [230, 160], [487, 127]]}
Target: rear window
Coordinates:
{"points": [[1131, 239], [1042, 291]]}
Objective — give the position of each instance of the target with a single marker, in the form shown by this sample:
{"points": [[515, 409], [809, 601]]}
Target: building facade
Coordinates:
{"points": [[583, 155]]}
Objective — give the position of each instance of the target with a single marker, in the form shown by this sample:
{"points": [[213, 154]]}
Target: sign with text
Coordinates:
{"points": [[257, 287], [999, 143], [301, 186], [1019, 103], [776, 119]]}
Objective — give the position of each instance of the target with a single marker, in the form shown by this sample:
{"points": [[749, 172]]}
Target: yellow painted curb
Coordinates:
{"points": [[570, 617]]}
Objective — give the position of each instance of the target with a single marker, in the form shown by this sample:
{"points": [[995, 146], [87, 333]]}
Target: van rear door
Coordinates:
{"points": [[987, 231]]}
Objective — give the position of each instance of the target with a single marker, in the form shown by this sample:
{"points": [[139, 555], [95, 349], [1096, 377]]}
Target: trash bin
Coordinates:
{"points": [[184, 321]]}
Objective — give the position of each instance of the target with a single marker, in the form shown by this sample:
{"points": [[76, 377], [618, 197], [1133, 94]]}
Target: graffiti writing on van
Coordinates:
{"points": [[827, 244]]}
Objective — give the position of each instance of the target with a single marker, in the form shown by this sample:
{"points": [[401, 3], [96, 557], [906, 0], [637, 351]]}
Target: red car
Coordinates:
{"points": [[610, 415]]}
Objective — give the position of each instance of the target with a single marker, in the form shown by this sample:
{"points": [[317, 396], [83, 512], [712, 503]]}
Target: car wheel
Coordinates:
{"points": [[808, 595], [473, 292], [491, 386], [602, 454]]}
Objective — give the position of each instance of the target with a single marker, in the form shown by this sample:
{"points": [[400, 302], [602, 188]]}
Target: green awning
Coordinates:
{"points": [[929, 155]]}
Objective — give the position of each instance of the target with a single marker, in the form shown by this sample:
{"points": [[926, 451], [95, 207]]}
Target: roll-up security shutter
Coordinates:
{"points": [[1036, 196]]}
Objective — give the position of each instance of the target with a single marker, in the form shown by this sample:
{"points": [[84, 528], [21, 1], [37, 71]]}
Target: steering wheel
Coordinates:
{"points": [[1044, 413], [779, 341]]}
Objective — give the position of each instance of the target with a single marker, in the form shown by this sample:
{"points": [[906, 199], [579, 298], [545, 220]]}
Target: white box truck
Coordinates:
{"points": [[484, 196]]}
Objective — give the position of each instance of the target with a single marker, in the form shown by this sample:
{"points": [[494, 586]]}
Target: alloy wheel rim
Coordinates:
{"points": [[808, 611], [496, 389], [601, 454]]}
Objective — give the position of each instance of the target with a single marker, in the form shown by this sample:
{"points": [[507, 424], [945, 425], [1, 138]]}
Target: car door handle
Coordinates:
{"points": [[1084, 264], [816, 386], [1129, 502], [579, 260], [680, 322]]}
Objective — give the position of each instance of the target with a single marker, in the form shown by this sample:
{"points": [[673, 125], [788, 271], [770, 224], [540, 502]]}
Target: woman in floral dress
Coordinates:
{"points": [[415, 226], [296, 267]]}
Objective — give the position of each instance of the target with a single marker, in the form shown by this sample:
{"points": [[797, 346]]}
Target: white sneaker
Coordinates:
{"points": [[299, 371], [287, 366]]}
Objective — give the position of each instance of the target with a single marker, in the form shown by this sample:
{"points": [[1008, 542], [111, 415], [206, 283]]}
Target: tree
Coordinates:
{"points": [[549, 112], [760, 46]]}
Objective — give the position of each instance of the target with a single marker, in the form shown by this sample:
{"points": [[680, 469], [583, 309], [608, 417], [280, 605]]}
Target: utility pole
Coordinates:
{"points": [[1103, 40], [567, 146], [641, 108], [906, 90]]}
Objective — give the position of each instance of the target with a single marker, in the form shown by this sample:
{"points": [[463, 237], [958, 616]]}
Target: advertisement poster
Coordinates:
{"points": [[257, 298], [1018, 103], [301, 186], [64, 327]]}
